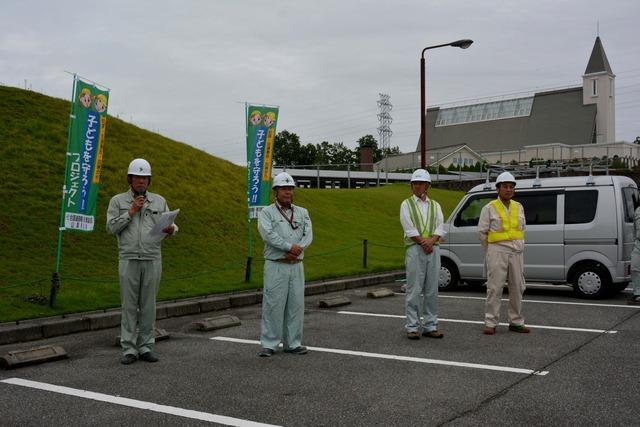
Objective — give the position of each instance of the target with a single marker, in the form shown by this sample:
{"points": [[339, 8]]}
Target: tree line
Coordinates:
{"points": [[289, 151]]}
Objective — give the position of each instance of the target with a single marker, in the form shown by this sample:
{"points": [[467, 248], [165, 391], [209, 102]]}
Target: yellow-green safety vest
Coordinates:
{"points": [[425, 227], [510, 227]]}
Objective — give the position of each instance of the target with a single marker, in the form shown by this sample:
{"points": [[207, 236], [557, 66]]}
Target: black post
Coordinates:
{"points": [[364, 253], [55, 285], [247, 271]]}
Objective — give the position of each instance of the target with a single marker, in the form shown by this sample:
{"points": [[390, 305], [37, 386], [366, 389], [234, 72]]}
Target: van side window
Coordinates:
{"points": [[631, 201], [539, 208], [580, 206], [469, 215]]}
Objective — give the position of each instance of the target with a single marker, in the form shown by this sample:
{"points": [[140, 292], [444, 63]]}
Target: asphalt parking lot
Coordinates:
{"points": [[579, 366]]}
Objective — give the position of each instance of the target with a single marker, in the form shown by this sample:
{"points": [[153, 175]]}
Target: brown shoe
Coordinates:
{"points": [[634, 300], [433, 334], [413, 335], [519, 328], [488, 330]]}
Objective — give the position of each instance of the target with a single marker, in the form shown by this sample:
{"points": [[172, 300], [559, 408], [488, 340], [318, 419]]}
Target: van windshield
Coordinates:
{"points": [[469, 215]]}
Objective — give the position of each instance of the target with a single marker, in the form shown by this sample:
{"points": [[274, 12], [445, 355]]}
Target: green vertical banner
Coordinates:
{"points": [[84, 156], [261, 133]]}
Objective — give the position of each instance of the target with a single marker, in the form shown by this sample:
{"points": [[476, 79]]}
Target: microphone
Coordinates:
{"points": [[140, 191]]}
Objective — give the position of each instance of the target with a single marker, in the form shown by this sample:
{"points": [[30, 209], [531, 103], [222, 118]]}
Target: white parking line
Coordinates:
{"points": [[172, 410], [547, 302], [478, 322], [403, 358]]}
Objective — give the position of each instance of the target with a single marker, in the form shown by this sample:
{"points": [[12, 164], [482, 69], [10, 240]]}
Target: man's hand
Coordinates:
{"points": [[137, 204], [294, 253], [169, 229], [427, 244]]}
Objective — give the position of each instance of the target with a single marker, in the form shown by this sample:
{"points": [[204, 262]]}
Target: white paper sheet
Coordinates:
{"points": [[166, 219]]}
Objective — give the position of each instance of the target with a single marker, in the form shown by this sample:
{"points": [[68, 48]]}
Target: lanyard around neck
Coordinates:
{"points": [[289, 220]]}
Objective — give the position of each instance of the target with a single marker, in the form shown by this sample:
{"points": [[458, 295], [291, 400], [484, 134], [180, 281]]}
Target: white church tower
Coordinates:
{"points": [[598, 87]]}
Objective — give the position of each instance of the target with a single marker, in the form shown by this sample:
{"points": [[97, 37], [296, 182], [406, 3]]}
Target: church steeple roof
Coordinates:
{"points": [[598, 61]]}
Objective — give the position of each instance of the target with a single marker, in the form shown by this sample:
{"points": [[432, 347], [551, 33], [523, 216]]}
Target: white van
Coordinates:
{"points": [[579, 231]]}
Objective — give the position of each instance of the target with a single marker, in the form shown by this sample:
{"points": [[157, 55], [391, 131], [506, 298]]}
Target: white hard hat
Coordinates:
{"points": [[505, 177], [420, 175], [283, 179], [139, 167]]}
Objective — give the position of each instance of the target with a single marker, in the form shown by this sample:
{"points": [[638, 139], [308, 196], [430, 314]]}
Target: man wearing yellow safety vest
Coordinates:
{"points": [[421, 218], [501, 228]]}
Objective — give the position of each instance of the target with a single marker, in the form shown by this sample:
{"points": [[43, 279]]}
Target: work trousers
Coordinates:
{"points": [[282, 305], [421, 297], [635, 271], [502, 266], [139, 283]]}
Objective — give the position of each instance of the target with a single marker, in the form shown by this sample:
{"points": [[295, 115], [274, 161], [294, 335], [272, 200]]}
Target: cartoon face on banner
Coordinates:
{"points": [[255, 118], [100, 103], [269, 118], [85, 98]]}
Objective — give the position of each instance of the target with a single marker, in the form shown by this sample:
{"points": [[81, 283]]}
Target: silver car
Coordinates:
{"points": [[579, 231]]}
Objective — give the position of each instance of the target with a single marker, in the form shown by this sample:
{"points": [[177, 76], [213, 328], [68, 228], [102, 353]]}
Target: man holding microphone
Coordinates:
{"points": [[131, 216]]}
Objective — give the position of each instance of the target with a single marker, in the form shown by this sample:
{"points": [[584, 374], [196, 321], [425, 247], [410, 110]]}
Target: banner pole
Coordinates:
{"points": [[247, 273], [55, 277]]}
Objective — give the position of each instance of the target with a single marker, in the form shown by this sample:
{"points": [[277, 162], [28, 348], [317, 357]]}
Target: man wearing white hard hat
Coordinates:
{"points": [[422, 221], [501, 227], [286, 231], [131, 216]]}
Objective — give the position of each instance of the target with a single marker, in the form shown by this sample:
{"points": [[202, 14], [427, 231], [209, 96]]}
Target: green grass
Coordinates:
{"points": [[209, 253]]}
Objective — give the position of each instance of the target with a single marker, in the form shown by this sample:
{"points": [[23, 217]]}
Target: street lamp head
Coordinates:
{"points": [[462, 44]]}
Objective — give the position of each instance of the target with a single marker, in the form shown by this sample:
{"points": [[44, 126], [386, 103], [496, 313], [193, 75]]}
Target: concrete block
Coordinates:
{"points": [[218, 322], [161, 334], [20, 333], [334, 301], [380, 293], [240, 300], [64, 327], [49, 353], [214, 304], [182, 308], [104, 320]]}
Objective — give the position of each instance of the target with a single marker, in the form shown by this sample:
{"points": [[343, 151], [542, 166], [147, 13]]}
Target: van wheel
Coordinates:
{"points": [[448, 276], [590, 281]]}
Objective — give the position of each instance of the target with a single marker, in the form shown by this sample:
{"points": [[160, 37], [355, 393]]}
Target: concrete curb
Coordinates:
{"points": [[31, 330]]}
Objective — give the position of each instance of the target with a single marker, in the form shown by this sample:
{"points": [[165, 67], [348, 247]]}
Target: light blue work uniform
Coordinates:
{"points": [[635, 254], [139, 267], [421, 218], [283, 287]]}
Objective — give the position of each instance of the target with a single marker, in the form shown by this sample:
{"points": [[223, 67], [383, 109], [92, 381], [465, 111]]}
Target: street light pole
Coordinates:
{"points": [[462, 44]]}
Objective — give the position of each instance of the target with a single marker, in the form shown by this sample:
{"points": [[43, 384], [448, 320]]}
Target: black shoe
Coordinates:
{"points": [[128, 359], [265, 352], [413, 335], [433, 334], [298, 350], [149, 357]]}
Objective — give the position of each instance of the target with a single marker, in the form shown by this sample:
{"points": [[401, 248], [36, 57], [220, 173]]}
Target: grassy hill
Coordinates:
{"points": [[209, 253]]}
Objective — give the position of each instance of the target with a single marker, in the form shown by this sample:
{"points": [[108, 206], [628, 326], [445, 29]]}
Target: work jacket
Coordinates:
{"points": [[134, 238]]}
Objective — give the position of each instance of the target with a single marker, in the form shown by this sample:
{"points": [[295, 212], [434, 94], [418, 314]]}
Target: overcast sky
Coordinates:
{"points": [[185, 68]]}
